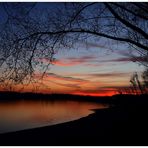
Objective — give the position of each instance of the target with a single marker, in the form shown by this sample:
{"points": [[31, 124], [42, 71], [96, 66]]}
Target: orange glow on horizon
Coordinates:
{"points": [[53, 83], [94, 94]]}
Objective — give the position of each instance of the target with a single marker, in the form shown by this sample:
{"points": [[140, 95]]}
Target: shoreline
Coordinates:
{"points": [[125, 124]]}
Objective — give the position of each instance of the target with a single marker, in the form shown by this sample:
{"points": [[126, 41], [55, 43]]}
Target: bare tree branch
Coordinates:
{"points": [[90, 32], [125, 22]]}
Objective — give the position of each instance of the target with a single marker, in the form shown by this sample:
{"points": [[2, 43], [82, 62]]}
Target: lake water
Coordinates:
{"points": [[21, 115]]}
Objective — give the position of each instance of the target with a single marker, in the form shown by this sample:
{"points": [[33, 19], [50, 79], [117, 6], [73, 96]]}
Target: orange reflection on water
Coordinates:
{"points": [[30, 114]]}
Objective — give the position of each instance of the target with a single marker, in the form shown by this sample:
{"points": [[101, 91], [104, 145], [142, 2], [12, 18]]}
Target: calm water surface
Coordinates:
{"points": [[21, 115]]}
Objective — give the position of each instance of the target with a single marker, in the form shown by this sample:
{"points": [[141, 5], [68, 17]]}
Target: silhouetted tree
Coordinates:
{"points": [[138, 83], [145, 80], [27, 36], [139, 87], [134, 83]]}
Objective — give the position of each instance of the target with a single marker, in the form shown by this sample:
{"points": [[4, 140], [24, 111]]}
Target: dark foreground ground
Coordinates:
{"points": [[124, 124]]}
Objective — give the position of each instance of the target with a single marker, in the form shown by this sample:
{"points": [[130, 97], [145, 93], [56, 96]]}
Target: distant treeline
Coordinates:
{"points": [[116, 99], [11, 96]]}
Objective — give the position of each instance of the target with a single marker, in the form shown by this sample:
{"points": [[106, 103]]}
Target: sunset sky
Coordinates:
{"points": [[94, 68]]}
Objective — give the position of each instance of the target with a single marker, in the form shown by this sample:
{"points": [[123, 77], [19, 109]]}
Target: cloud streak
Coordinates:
{"points": [[65, 81], [64, 78], [113, 74], [108, 75], [127, 59], [91, 61], [71, 61], [74, 86]]}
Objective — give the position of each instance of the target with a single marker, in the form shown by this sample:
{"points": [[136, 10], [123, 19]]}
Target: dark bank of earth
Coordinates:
{"points": [[124, 124]]}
